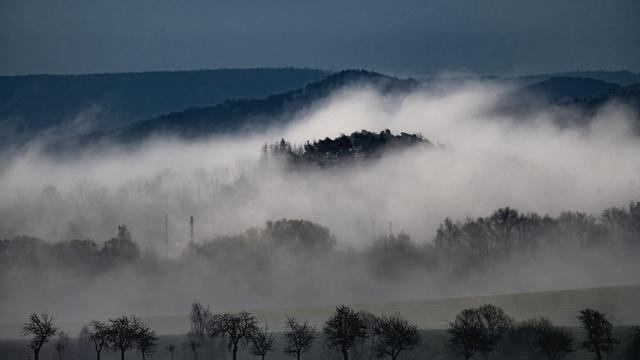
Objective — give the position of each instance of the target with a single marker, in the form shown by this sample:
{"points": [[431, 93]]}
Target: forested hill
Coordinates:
{"points": [[237, 115], [33, 104], [345, 149]]}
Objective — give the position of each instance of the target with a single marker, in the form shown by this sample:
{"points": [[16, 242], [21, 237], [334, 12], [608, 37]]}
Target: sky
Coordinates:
{"points": [[403, 37]]}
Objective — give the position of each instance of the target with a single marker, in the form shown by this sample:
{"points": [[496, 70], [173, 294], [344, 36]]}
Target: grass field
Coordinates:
{"points": [[620, 303]]}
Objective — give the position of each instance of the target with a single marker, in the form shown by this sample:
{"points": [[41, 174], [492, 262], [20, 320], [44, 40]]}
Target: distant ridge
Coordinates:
{"points": [[622, 78], [583, 94], [237, 115], [558, 88]]}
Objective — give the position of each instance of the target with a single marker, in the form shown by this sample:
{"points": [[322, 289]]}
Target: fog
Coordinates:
{"points": [[482, 160]]}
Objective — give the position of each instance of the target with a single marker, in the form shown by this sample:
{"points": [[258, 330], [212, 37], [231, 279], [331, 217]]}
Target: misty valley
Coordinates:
{"points": [[320, 215]]}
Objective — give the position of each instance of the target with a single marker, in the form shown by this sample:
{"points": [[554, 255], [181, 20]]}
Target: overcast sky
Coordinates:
{"points": [[405, 37]]}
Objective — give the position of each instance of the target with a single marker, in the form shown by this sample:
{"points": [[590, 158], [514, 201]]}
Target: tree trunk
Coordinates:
{"points": [[121, 354], [598, 355], [97, 355], [345, 354], [36, 353], [59, 355], [298, 355], [235, 352]]}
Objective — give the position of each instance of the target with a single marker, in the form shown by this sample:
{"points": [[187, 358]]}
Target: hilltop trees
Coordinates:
{"points": [[41, 329], [344, 329], [392, 335], [345, 149], [598, 333], [299, 337], [237, 328]]}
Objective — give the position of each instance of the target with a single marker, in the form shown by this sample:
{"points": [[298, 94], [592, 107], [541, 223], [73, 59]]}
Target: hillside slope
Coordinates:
{"points": [[33, 104]]}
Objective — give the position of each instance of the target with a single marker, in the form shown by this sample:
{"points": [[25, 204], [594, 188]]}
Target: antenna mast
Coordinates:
{"points": [[166, 233], [191, 229]]}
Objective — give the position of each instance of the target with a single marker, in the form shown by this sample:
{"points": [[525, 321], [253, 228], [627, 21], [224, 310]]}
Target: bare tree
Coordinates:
{"points": [[299, 337], [199, 318], [598, 338], [236, 328], [261, 342], [194, 342], [495, 324], [540, 336], [171, 349], [98, 335], [145, 340], [479, 330], [41, 329], [393, 335], [122, 333], [345, 329], [61, 343], [467, 335]]}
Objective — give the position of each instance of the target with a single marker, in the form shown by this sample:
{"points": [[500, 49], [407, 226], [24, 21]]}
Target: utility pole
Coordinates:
{"points": [[373, 229], [191, 229], [166, 233]]}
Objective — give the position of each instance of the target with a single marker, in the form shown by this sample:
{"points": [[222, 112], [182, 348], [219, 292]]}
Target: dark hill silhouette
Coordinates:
{"points": [[561, 88], [237, 115], [622, 78], [33, 104], [583, 95]]}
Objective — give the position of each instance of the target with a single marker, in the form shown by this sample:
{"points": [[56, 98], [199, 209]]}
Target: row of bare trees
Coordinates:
{"points": [[120, 334], [474, 331], [346, 328]]}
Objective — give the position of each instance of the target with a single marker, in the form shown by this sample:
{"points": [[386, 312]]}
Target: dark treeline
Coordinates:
{"points": [[481, 332], [507, 231], [345, 149], [458, 246]]}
